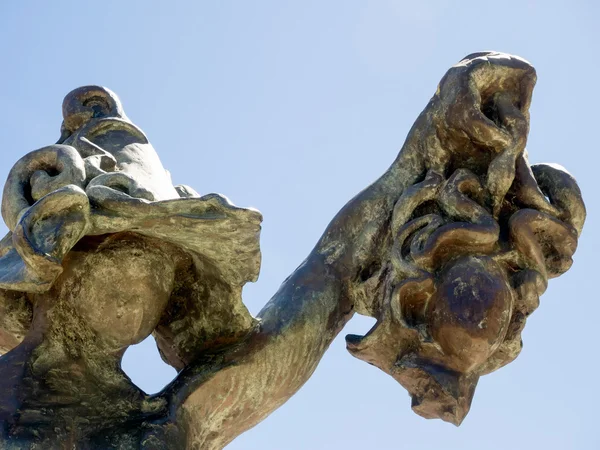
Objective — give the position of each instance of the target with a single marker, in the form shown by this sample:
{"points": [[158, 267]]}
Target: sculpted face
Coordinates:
{"points": [[86, 103], [116, 153]]}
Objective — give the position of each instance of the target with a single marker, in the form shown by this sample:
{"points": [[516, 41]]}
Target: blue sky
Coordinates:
{"points": [[293, 107]]}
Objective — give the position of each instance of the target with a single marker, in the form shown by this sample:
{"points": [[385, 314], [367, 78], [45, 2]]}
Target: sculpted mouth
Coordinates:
{"points": [[87, 103]]}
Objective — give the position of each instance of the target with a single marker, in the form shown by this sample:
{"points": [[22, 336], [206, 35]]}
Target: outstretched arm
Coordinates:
{"points": [[234, 391], [478, 118]]}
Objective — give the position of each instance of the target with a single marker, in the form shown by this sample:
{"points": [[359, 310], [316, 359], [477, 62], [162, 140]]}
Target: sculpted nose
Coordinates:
{"points": [[87, 102]]}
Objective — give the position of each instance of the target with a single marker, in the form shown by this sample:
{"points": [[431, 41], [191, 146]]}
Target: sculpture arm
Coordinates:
{"points": [[240, 387], [222, 395], [472, 120]]}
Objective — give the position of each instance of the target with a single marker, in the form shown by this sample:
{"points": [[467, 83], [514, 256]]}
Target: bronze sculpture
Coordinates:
{"points": [[449, 250]]}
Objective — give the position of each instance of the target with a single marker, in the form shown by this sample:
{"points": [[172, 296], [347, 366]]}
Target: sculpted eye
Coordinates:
{"points": [[99, 106]]}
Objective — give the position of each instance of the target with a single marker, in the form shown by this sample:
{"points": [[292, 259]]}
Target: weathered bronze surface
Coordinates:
{"points": [[449, 250]]}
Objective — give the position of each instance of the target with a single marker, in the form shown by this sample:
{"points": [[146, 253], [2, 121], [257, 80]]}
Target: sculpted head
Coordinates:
{"points": [[91, 217], [87, 102]]}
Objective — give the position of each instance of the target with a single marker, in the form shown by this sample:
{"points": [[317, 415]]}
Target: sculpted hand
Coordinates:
{"points": [[477, 120], [474, 235]]}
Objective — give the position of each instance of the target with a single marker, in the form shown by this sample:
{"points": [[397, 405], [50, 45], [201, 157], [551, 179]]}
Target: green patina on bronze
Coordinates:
{"points": [[449, 250]]}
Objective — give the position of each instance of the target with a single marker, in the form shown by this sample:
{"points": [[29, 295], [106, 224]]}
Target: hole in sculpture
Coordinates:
{"points": [[143, 364]]}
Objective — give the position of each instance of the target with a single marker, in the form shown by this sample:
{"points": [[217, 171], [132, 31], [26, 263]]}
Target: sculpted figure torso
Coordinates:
{"points": [[449, 250]]}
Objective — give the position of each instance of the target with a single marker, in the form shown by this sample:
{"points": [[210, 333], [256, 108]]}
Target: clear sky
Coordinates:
{"points": [[293, 107]]}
